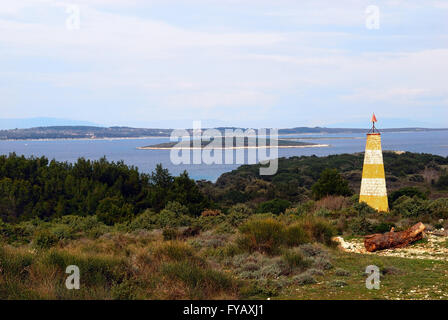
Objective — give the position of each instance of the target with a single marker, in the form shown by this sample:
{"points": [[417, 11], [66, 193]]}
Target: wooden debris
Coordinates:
{"points": [[389, 240]]}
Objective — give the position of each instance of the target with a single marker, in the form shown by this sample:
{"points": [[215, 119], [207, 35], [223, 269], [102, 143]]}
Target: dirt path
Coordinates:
{"points": [[433, 247]]}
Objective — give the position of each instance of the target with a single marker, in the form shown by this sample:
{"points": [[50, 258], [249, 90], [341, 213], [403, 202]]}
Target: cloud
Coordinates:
{"points": [[260, 59]]}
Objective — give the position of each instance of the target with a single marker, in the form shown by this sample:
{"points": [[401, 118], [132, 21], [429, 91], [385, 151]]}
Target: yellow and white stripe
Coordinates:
{"points": [[373, 183]]}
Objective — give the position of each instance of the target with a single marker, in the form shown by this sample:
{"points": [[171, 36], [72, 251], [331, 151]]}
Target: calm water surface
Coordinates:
{"points": [[435, 142]]}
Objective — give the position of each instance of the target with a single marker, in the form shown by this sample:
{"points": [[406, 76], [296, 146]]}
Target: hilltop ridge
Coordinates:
{"points": [[116, 132]]}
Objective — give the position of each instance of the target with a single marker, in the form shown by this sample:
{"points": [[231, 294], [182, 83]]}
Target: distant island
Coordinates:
{"points": [[247, 144], [94, 132]]}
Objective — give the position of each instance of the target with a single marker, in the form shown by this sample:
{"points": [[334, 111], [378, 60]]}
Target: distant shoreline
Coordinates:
{"points": [[88, 139], [232, 148]]}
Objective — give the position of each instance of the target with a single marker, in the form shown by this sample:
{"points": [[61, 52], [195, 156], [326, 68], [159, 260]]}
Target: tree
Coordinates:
{"points": [[275, 206], [407, 191], [331, 183], [442, 183]]}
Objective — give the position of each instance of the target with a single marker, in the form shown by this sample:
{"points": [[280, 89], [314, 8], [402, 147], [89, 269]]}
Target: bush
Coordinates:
{"points": [[410, 207], [177, 208], [94, 270], [338, 283], [296, 235], [360, 226], [304, 279], [44, 239], [342, 273], [391, 270], [170, 234], [168, 218], [295, 260], [211, 212], [264, 235], [332, 203], [383, 227], [407, 191], [442, 183], [14, 263], [275, 206], [311, 250], [114, 210], [322, 263], [147, 220], [176, 251], [318, 229], [306, 207], [439, 208], [200, 281], [363, 208], [238, 214], [331, 183]]}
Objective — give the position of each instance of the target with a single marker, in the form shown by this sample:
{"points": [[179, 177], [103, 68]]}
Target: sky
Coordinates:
{"points": [[251, 63]]}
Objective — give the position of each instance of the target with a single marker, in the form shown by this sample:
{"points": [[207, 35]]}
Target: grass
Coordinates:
{"points": [[416, 279], [279, 258]]}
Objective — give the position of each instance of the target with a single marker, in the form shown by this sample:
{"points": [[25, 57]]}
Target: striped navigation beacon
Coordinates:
{"points": [[373, 183]]}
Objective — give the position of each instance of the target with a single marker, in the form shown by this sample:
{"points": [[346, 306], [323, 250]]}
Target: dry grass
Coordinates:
{"points": [[332, 203], [115, 266]]}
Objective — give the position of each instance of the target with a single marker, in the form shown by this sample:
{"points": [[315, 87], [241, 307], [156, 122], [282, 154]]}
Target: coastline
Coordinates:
{"points": [[233, 148], [88, 139]]}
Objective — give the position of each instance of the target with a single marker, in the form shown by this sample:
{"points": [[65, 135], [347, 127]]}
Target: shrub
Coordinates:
{"points": [[168, 218], [311, 250], [200, 281], [407, 191], [342, 273], [177, 208], [442, 183], [127, 290], [295, 259], [114, 210], [410, 207], [306, 207], [363, 209], [176, 251], [304, 279], [323, 212], [439, 208], [318, 229], [332, 203], [170, 234], [44, 239], [331, 183], [383, 227], [264, 235], [238, 214], [210, 212], [267, 288], [338, 283], [275, 206], [322, 263], [147, 220], [296, 235], [360, 226], [14, 263], [94, 270], [391, 270]]}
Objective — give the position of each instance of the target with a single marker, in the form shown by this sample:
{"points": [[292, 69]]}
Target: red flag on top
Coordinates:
{"points": [[373, 118]]}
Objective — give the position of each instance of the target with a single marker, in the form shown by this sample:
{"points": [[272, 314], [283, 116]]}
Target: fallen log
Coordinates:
{"points": [[393, 239]]}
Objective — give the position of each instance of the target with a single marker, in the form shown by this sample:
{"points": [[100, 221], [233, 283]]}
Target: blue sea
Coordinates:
{"points": [[435, 142]]}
